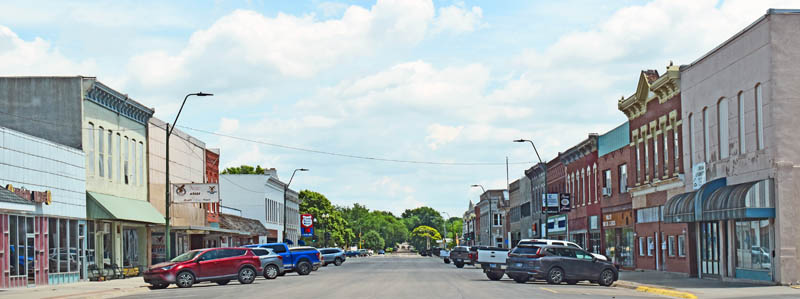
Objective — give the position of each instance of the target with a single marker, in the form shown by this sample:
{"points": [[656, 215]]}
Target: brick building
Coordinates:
{"points": [[615, 201], [581, 183], [556, 183]]}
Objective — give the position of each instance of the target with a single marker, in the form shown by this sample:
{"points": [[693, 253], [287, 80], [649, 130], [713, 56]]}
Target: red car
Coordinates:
{"points": [[219, 265]]}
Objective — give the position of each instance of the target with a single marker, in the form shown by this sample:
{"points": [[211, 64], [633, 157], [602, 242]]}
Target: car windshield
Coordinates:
{"points": [[186, 256]]}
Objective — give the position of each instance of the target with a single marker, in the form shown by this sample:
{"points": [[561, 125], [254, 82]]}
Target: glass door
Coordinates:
{"points": [[31, 260], [710, 248]]}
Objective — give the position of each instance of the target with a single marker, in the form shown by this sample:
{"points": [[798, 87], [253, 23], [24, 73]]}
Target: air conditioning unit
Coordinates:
{"points": [[606, 191]]}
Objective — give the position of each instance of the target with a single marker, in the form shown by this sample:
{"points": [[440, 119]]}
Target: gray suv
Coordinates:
{"points": [[332, 256], [271, 262]]}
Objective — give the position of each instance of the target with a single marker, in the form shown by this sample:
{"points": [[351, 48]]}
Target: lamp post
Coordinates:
{"points": [[168, 253], [445, 230], [544, 173], [491, 217], [285, 188]]}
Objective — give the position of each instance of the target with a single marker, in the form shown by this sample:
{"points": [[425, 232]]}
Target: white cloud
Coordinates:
{"points": [[228, 125], [458, 19], [36, 57], [439, 135]]}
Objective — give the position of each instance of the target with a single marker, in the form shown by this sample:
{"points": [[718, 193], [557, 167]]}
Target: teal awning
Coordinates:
{"points": [[104, 206], [752, 200]]}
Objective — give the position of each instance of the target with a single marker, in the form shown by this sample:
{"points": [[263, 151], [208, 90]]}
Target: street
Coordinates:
{"points": [[403, 276]]}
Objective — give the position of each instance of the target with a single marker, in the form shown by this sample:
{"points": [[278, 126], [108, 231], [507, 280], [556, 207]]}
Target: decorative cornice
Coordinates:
{"points": [[584, 148], [120, 103], [667, 85]]}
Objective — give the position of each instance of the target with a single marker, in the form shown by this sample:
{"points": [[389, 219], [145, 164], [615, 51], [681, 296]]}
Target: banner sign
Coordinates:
{"points": [[195, 193], [698, 175], [306, 225]]}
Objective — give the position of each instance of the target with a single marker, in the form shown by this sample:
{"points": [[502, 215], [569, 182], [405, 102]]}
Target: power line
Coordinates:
{"points": [[350, 155]]}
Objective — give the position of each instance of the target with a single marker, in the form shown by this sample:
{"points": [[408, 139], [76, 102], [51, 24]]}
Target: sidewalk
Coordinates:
{"points": [[681, 286], [89, 289]]}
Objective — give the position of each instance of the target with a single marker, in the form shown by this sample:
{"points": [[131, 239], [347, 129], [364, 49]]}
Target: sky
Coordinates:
{"points": [[450, 82]]}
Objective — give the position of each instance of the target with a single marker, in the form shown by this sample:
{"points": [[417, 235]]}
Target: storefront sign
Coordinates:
{"points": [[550, 203], [565, 200], [618, 219], [306, 225], [195, 193], [44, 197], [698, 175]]}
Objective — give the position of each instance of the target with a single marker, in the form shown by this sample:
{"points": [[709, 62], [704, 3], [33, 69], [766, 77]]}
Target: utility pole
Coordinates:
{"points": [[285, 188], [167, 186]]}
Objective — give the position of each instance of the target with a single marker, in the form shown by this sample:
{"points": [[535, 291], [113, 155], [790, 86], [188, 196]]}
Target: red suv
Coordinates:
{"points": [[219, 265]]}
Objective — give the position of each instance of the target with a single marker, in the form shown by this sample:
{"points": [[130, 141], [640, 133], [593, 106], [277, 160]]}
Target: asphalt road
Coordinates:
{"points": [[392, 277]]}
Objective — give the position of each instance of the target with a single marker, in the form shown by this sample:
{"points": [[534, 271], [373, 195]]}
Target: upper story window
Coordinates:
{"points": [[666, 151], [742, 134], [655, 156], [141, 166], [126, 159], [676, 140], [759, 118], [638, 161], [722, 126], [623, 178], [90, 149], [110, 157], [118, 160], [100, 152], [607, 178], [646, 156], [133, 162], [706, 137]]}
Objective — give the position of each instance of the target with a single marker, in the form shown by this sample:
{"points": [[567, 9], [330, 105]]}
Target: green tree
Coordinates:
{"points": [[328, 220], [244, 169], [455, 227], [422, 216], [373, 240], [422, 235]]}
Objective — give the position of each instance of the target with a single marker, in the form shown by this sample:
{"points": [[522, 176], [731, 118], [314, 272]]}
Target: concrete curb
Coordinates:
{"points": [[655, 290]]}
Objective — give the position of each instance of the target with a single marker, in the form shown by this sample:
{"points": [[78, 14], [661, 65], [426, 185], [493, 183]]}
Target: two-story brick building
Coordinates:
{"points": [[617, 213]]}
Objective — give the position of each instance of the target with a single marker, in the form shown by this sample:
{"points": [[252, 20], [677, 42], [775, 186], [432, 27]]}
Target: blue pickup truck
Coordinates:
{"points": [[301, 259]]}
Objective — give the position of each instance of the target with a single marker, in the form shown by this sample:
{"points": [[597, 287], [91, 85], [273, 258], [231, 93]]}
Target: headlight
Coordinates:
{"points": [[166, 268]]}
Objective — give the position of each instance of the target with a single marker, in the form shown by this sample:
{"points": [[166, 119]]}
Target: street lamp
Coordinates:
{"points": [[491, 217], [544, 173], [168, 188], [285, 188], [445, 230]]}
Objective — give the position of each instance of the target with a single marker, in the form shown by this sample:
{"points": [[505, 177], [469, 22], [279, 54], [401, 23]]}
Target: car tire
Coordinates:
{"points": [[222, 282], [281, 273], [494, 275], [521, 278], [184, 279], [572, 282], [303, 268], [606, 278], [459, 265], [338, 262], [315, 268], [158, 286], [446, 261], [247, 275], [555, 275], [271, 272]]}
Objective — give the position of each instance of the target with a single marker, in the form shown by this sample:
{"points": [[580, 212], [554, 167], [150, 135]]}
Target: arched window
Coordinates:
{"points": [[706, 137], [110, 157], [722, 126], [691, 141], [90, 149], [759, 118], [742, 134], [101, 151], [118, 160]]}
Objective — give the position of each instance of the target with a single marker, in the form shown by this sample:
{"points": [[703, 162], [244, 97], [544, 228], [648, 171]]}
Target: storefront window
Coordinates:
{"points": [[107, 241], [671, 248], [90, 258], [641, 246], [626, 247], [63, 238], [53, 238], [130, 252], [651, 246], [579, 239], [753, 245], [594, 242], [14, 246], [681, 245], [73, 246]]}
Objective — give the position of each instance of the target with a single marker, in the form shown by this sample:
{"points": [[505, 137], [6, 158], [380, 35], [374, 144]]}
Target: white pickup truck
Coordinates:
{"points": [[493, 261], [445, 255]]}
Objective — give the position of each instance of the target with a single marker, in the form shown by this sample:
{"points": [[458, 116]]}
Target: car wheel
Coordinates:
{"points": [[459, 265], [282, 273], [521, 278], [303, 268], [446, 261], [337, 262], [271, 272], [494, 275], [158, 286], [185, 279], [315, 268], [222, 282], [606, 278], [555, 276], [247, 275], [572, 282]]}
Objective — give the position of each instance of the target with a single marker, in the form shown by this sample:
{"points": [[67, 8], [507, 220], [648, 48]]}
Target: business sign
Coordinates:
{"points": [[564, 201], [698, 175], [44, 197], [550, 203], [306, 225], [195, 193]]}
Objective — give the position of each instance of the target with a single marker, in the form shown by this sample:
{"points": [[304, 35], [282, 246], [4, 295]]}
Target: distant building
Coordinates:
{"points": [[581, 184], [494, 200]]}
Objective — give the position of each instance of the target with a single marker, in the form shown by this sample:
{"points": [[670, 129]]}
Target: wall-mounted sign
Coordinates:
{"points": [[306, 225], [44, 197], [698, 175], [195, 193], [564, 201], [550, 203]]}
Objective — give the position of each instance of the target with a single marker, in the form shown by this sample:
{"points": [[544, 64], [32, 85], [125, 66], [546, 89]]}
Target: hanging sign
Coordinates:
{"points": [[306, 225], [195, 193], [564, 201]]}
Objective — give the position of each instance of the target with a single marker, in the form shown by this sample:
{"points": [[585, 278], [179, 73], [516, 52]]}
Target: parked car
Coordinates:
{"points": [[460, 255], [445, 255], [363, 252], [381, 252], [557, 243], [493, 261], [297, 259], [559, 264], [220, 265], [271, 262], [351, 253], [334, 256]]}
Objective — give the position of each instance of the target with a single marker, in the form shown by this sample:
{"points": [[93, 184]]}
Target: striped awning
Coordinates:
{"points": [[680, 208], [750, 200]]}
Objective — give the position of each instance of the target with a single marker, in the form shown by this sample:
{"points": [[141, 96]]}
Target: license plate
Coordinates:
{"points": [[519, 265], [492, 265]]}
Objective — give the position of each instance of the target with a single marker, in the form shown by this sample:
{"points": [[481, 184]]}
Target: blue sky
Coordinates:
{"points": [[443, 81]]}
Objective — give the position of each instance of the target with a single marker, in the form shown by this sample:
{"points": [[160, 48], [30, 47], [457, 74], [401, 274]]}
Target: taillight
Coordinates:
{"points": [[280, 257], [319, 256]]}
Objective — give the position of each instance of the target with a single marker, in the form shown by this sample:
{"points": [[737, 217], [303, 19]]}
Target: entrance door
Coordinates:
{"points": [[30, 255], [710, 249]]}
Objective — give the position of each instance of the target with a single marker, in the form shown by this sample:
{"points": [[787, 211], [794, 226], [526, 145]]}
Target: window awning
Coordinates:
{"points": [[680, 208], [742, 201], [104, 206]]}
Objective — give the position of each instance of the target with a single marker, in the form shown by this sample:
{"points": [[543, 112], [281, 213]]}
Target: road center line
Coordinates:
{"points": [[549, 290]]}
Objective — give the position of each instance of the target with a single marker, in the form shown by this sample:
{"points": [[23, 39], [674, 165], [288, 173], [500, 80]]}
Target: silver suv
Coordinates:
{"points": [[271, 262], [332, 256]]}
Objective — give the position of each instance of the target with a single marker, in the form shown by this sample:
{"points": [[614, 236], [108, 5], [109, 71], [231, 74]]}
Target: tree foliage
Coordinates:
{"points": [[327, 220], [422, 235], [244, 169], [422, 216], [373, 240], [388, 227], [455, 226]]}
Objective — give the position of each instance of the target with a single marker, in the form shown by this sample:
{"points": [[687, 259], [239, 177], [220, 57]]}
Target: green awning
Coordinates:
{"points": [[104, 206]]}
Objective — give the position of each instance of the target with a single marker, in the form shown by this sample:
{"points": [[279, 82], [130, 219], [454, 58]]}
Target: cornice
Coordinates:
{"points": [[120, 103]]}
